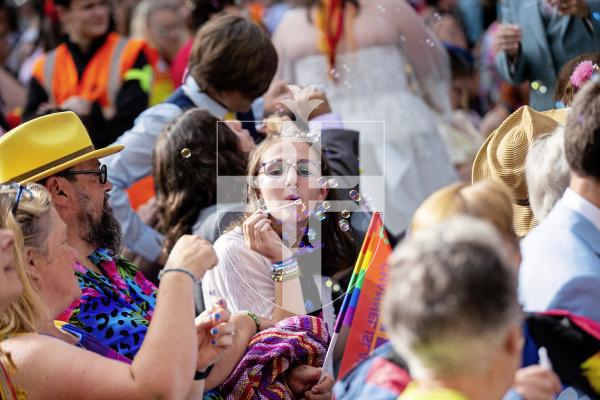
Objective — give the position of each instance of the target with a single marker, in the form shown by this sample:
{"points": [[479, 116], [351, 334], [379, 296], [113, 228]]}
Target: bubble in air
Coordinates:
{"points": [[535, 85], [344, 225], [543, 89], [311, 234], [354, 195], [437, 16], [186, 152], [334, 72], [322, 182], [326, 205], [336, 288], [332, 183], [345, 214], [321, 217], [402, 37], [429, 42], [329, 283]]}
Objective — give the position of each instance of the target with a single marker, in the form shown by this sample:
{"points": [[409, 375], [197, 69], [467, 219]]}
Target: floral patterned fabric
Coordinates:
{"points": [[115, 307]]}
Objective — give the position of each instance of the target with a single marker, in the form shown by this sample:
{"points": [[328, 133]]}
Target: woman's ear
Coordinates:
{"points": [[32, 263], [323, 194]]}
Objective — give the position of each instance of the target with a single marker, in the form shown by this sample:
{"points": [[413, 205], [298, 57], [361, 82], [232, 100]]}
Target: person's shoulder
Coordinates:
{"points": [[232, 238]]}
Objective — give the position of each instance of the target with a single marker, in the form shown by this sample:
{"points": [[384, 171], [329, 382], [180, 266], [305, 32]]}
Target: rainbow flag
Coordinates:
{"points": [[361, 308]]}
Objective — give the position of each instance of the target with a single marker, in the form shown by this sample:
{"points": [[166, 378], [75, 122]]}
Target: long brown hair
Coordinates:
{"points": [[339, 252], [185, 163]]}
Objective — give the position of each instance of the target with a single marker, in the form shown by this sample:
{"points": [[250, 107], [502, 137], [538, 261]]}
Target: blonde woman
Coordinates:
{"points": [[49, 363]]}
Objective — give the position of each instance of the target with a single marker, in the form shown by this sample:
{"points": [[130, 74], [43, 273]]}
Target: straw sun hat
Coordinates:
{"points": [[502, 157]]}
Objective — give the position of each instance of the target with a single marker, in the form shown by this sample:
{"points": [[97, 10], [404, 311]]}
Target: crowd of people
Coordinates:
{"points": [[187, 186]]}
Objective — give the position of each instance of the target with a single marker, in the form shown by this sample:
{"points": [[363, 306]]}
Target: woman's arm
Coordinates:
{"points": [[164, 366]]}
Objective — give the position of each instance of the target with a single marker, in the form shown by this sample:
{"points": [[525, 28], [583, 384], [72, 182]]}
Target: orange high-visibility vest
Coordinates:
{"points": [[101, 79]]}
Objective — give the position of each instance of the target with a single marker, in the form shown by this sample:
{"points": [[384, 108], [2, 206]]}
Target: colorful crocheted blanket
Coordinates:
{"points": [[272, 352]]}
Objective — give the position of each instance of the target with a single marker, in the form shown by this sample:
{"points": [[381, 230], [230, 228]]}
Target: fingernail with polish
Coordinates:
{"points": [[213, 342], [217, 316], [214, 331]]}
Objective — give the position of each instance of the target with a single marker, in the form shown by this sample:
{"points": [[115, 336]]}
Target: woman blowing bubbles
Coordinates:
{"points": [[275, 263]]}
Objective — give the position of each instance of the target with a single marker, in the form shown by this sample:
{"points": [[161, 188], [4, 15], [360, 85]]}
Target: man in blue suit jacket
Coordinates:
{"points": [[561, 257], [537, 37]]}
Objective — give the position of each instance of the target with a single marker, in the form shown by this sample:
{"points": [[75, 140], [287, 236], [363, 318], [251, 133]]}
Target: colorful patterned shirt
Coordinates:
{"points": [[116, 306]]}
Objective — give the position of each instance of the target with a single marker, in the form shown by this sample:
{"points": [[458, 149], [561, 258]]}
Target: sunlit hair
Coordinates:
{"points": [[451, 299], [487, 200], [31, 226]]}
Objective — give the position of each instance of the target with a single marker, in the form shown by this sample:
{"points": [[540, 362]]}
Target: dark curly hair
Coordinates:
{"points": [[186, 181]]}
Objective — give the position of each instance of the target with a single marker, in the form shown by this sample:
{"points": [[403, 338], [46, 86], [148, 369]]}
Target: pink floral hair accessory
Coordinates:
{"points": [[582, 73]]}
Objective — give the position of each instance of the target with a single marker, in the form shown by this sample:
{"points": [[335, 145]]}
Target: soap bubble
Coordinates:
{"points": [[332, 183], [311, 234], [329, 283], [336, 288], [345, 214], [354, 195], [344, 225], [326, 205], [322, 182], [186, 153]]}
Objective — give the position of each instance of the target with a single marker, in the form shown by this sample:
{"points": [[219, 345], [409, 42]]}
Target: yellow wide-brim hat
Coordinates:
{"points": [[502, 157], [45, 146]]}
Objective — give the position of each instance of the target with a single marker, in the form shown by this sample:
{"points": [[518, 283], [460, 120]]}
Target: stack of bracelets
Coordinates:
{"points": [[285, 270]]}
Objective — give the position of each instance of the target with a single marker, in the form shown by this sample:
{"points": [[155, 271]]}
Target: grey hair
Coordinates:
{"points": [[547, 172], [452, 296]]}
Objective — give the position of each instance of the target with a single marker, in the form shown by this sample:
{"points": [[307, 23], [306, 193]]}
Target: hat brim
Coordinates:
{"points": [[96, 154]]}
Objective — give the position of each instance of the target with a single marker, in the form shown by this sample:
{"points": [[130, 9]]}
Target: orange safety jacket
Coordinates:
{"points": [[101, 79]]}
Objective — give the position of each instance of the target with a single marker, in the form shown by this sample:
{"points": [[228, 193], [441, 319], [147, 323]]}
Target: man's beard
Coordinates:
{"points": [[105, 233]]}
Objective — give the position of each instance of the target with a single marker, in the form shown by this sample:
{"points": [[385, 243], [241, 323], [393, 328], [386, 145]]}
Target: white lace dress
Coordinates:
{"points": [[380, 93], [243, 278]]}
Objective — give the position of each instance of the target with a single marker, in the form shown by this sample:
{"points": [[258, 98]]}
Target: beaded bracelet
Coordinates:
{"points": [[255, 319], [285, 263], [182, 270], [283, 277]]}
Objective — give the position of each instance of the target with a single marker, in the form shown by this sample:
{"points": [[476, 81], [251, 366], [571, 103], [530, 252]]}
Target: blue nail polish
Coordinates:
{"points": [[214, 331], [213, 342], [217, 316]]}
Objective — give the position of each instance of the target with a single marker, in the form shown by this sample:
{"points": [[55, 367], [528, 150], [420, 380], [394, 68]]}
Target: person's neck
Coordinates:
{"points": [[84, 44], [586, 187], [474, 385], [48, 328], [216, 96], [84, 249]]}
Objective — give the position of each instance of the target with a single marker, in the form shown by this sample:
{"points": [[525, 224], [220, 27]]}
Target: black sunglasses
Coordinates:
{"points": [[102, 173]]}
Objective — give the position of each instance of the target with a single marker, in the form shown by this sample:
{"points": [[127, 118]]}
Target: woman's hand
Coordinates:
{"points": [[193, 253], [215, 334], [260, 237], [536, 383], [303, 381]]}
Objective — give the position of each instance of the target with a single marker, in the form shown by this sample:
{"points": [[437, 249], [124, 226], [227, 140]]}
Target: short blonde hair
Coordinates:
{"points": [[31, 226], [487, 200]]}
